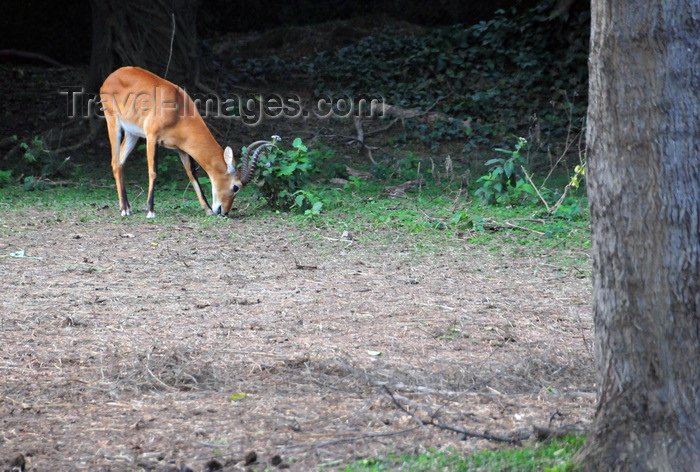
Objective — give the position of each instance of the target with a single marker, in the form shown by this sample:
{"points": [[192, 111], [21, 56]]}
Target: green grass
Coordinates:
{"points": [[551, 456], [428, 220], [434, 217]]}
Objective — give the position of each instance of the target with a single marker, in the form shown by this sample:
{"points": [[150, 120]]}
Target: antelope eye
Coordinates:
{"points": [[235, 189]]}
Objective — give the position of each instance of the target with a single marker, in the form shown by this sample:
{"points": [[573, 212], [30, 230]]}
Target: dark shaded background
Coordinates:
{"points": [[62, 30]]}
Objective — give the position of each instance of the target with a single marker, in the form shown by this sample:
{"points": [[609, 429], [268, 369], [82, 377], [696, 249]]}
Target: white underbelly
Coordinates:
{"points": [[132, 129]]}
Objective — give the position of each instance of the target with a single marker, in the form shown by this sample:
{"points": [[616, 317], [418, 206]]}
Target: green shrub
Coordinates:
{"points": [[505, 182], [285, 176]]}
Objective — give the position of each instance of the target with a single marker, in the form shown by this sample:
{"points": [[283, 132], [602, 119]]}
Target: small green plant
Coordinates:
{"points": [[354, 183], [37, 160], [508, 182], [505, 182], [34, 152], [307, 202], [38, 164], [285, 177], [464, 221]]}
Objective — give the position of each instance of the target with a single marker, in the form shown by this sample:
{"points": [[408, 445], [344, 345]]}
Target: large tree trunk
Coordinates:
{"points": [[139, 33], [644, 189]]}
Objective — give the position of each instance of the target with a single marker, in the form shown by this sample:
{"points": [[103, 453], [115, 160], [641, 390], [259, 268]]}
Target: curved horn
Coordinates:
{"points": [[248, 162]]}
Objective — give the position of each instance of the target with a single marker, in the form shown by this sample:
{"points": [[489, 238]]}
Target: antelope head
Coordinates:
{"points": [[243, 175]]}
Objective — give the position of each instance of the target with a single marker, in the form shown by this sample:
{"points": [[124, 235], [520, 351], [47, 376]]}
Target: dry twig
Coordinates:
{"points": [[433, 421]]}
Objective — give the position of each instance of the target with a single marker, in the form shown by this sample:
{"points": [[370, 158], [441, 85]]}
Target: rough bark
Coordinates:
{"points": [[137, 33], [644, 189]]}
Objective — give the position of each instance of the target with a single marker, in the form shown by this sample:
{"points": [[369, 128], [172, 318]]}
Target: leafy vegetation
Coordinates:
{"points": [[520, 73], [285, 176], [37, 163], [505, 181], [553, 456], [508, 182]]}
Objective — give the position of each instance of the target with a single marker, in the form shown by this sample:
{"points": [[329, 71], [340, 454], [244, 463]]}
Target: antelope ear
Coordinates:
{"points": [[230, 161]]}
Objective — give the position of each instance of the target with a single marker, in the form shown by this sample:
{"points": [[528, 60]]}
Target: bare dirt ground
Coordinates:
{"points": [[132, 345]]}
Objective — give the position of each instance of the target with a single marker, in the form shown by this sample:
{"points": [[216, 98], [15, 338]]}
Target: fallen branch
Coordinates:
{"points": [[398, 191], [438, 424], [494, 225], [399, 114], [508, 224], [383, 128], [304, 267], [359, 173], [425, 116]]}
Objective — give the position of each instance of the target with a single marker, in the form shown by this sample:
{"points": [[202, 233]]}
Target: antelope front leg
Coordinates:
{"points": [[190, 168]]}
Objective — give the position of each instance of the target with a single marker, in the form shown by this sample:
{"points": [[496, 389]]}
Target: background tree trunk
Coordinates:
{"points": [[137, 33], [644, 188]]}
